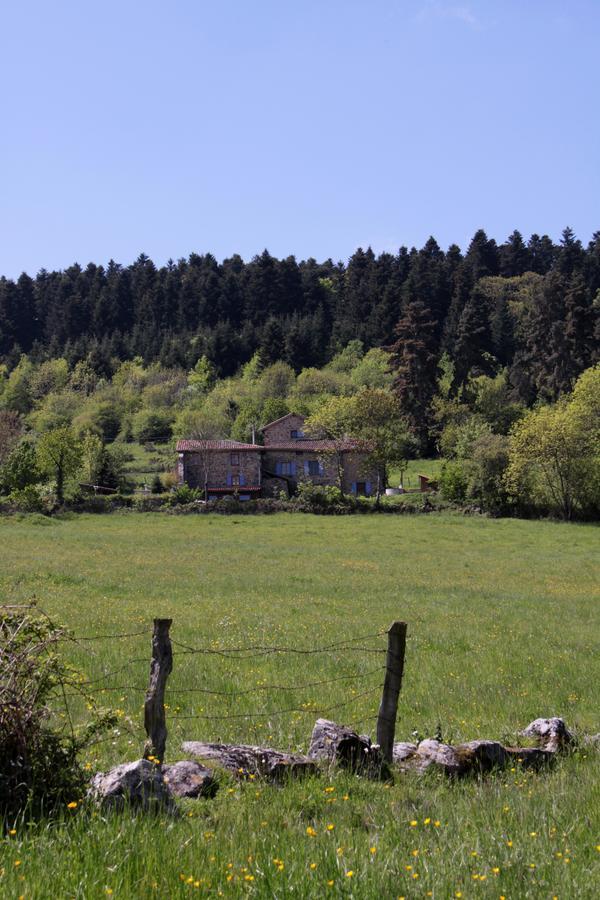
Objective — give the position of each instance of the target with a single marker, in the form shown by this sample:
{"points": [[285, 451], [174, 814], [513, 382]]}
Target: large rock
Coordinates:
{"points": [[338, 744], [189, 779], [138, 784], [245, 761], [551, 734], [462, 759]]}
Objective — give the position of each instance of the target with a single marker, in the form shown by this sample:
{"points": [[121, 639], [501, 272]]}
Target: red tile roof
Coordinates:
{"points": [[234, 446]]}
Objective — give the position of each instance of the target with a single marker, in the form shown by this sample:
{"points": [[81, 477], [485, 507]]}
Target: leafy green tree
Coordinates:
{"points": [[202, 377], [383, 434], [553, 459], [20, 468], [333, 420], [59, 455]]}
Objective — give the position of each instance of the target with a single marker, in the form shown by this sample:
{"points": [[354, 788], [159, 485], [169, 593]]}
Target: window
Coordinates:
{"points": [[314, 467], [295, 434], [235, 459], [286, 468]]}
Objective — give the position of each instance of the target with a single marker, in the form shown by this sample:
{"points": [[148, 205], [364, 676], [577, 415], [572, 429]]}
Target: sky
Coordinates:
{"points": [[309, 127]]}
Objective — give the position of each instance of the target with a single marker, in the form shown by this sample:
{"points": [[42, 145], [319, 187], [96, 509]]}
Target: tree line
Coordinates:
{"points": [[529, 306]]}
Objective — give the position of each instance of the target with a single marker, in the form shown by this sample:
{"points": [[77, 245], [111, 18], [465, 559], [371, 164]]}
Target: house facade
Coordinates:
{"points": [[287, 458]]}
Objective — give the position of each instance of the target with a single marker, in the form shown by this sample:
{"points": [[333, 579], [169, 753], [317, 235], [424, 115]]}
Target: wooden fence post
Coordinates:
{"points": [[161, 666], [394, 667]]}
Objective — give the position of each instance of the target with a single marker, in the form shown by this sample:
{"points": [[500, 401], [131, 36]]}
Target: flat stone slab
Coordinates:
{"points": [[245, 760]]}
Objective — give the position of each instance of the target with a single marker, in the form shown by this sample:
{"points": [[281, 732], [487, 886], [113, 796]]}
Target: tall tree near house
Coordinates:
{"points": [[59, 455], [205, 424], [382, 433], [414, 364], [333, 421]]}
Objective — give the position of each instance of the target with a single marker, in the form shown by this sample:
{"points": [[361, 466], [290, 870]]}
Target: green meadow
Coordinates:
{"points": [[504, 626]]}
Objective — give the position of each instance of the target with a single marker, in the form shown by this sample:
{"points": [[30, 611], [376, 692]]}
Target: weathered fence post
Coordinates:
{"points": [[394, 667], [161, 666]]}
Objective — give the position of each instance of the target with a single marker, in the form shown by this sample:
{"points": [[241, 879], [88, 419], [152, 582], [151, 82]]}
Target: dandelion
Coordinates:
{"points": [[509, 843], [248, 877], [330, 827], [373, 850], [14, 831], [496, 870], [437, 823], [330, 883], [329, 790], [311, 831], [72, 804], [349, 873], [345, 797], [426, 821], [17, 863], [313, 866], [413, 823]]}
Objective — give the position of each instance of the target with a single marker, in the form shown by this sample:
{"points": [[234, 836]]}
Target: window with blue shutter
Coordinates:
{"points": [[278, 468], [293, 469], [229, 479], [368, 488], [306, 467], [242, 479], [353, 489]]}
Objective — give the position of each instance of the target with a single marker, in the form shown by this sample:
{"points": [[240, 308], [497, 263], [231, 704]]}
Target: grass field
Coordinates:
{"points": [[504, 626]]}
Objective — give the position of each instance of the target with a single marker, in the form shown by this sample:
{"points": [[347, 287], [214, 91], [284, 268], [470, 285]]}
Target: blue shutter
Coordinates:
{"points": [[306, 467], [242, 479], [353, 489], [321, 469], [229, 479], [293, 469], [278, 468], [368, 488]]}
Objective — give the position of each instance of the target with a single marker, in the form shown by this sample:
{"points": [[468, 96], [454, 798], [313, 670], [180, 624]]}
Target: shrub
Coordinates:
{"points": [[184, 494], [454, 481], [27, 499], [157, 486], [39, 768]]}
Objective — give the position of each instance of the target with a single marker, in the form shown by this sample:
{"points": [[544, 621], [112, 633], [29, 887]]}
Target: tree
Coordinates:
{"points": [[11, 429], [59, 454], [383, 434], [414, 363], [333, 421], [20, 468], [554, 458], [202, 376]]}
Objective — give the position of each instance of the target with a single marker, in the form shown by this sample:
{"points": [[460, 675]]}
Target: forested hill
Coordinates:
{"points": [[530, 306]]}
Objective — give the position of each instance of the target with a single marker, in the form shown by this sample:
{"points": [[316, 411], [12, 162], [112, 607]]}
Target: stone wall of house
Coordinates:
{"points": [[299, 459], [219, 465], [280, 432], [356, 471]]}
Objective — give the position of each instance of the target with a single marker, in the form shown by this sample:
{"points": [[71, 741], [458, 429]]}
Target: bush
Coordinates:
{"points": [[489, 463], [454, 481], [27, 499], [184, 494], [39, 768], [157, 486]]}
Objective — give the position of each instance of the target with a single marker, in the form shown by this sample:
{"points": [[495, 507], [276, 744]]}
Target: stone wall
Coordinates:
{"points": [[219, 466], [281, 432]]}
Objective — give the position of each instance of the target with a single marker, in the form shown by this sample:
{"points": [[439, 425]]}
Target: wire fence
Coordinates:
{"points": [[370, 681]]}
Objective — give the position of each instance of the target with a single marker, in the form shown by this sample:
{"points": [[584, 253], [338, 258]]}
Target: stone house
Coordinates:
{"points": [[287, 458]]}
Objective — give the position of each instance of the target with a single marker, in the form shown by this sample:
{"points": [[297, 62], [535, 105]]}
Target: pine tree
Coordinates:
{"points": [[414, 363]]}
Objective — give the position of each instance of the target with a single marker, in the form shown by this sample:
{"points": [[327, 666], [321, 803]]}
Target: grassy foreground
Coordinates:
{"points": [[503, 627]]}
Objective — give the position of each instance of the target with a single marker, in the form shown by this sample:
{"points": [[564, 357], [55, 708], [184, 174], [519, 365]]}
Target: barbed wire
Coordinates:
{"points": [[259, 687], [280, 712], [264, 650]]}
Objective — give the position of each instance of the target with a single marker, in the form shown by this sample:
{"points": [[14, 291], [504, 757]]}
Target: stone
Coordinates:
{"points": [[339, 744], [138, 784], [189, 779], [246, 761], [551, 734]]}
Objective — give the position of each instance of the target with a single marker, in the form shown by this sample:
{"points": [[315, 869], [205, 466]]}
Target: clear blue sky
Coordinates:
{"points": [[305, 126]]}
